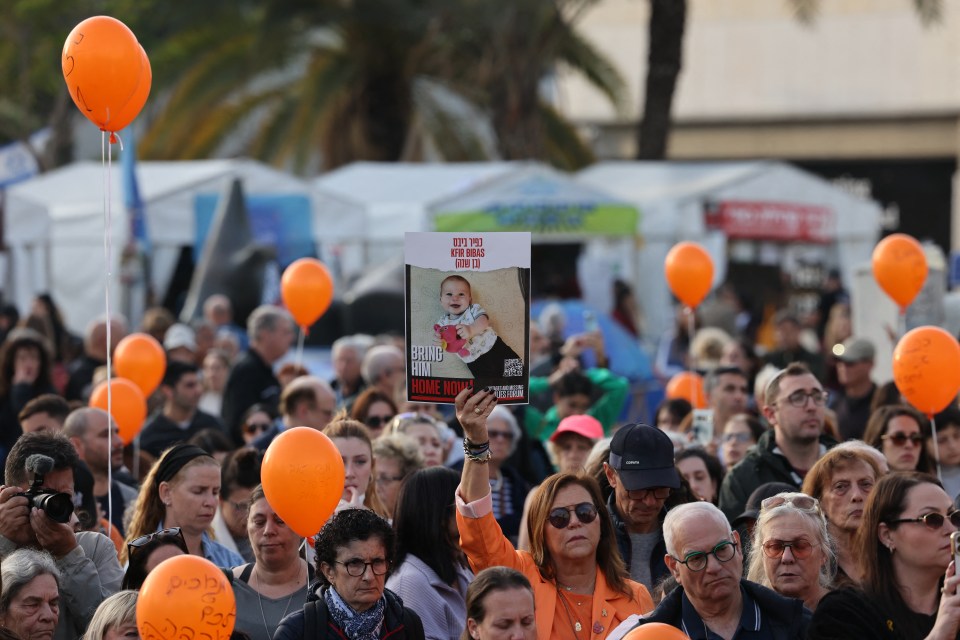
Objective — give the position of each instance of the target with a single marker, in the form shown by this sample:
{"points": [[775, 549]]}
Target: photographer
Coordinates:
{"points": [[87, 561]]}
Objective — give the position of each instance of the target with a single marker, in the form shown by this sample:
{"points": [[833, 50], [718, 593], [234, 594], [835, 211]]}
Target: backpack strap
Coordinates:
{"points": [[314, 620], [413, 626]]}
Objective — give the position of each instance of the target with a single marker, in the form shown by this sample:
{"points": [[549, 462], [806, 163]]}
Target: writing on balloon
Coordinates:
{"points": [[466, 252]]}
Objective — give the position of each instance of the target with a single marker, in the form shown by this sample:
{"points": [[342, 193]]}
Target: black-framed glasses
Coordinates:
{"points": [[163, 534], [357, 567], [385, 479], [586, 513], [899, 438], [697, 560], [801, 549], [799, 398], [660, 493], [376, 422], [251, 428], [503, 435], [933, 520]]}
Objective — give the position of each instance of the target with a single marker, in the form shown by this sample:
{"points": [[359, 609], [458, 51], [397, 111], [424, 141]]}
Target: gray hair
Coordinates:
{"points": [[377, 359], [266, 317], [817, 525], [20, 568], [359, 342], [677, 517], [500, 412], [402, 448], [116, 611]]}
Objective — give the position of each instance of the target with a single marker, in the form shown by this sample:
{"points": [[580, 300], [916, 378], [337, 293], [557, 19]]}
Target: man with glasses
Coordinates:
{"points": [[642, 473], [712, 599], [794, 403]]}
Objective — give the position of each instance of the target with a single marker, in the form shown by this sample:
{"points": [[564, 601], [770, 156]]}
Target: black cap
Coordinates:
{"points": [[767, 490], [643, 457]]}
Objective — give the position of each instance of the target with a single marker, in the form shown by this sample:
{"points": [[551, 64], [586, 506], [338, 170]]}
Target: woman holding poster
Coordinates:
{"points": [[581, 586]]}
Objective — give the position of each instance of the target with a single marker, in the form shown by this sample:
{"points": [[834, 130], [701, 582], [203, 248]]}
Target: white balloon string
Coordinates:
{"points": [[300, 341], [691, 329], [108, 251]]}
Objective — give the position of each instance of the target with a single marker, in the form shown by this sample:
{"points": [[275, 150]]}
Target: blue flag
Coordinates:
{"points": [[131, 193]]}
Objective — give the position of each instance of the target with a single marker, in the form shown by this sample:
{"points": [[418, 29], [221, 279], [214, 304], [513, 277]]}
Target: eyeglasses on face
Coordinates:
{"points": [[503, 435], [256, 427], [742, 438], [375, 422], [799, 398], [660, 493], [799, 501], [697, 560], [933, 521], [239, 507], [899, 438], [586, 513], [385, 479], [163, 534], [357, 567], [801, 549]]}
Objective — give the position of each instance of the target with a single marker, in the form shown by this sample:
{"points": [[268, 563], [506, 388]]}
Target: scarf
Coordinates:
{"points": [[363, 625]]}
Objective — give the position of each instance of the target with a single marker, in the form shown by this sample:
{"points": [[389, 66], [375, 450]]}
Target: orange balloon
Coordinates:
{"points": [[689, 271], [128, 406], [688, 386], [307, 290], [302, 475], [186, 597], [141, 359], [139, 98], [103, 67], [900, 267], [926, 368], [656, 631]]}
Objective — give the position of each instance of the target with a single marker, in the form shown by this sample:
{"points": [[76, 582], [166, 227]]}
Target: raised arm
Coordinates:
{"points": [[473, 409]]}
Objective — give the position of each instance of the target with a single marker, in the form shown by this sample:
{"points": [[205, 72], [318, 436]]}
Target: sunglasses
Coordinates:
{"points": [[163, 534], [560, 517], [800, 501], [801, 549], [742, 438], [503, 435], [900, 438], [376, 422], [256, 427], [932, 521]]}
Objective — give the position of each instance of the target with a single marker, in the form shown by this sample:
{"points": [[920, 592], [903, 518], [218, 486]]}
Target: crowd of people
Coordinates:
{"points": [[803, 500]]}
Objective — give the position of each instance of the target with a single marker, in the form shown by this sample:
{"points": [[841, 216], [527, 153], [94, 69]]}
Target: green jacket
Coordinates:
{"points": [[614, 391]]}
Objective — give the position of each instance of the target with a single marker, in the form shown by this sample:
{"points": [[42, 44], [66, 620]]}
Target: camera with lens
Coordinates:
{"points": [[58, 506]]}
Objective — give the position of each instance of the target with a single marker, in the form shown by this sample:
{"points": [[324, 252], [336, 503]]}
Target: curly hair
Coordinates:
{"points": [[348, 526]]}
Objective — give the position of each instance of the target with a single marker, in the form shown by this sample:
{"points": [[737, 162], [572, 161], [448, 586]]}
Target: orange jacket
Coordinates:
{"points": [[486, 546]]}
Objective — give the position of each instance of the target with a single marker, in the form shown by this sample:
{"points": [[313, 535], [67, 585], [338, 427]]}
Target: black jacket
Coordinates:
{"points": [[399, 622], [787, 618], [251, 381], [658, 567], [760, 466]]}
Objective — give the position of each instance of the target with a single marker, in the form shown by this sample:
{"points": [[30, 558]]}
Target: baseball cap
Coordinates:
{"points": [[583, 425], [643, 457], [751, 510], [855, 350], [179, 335]]}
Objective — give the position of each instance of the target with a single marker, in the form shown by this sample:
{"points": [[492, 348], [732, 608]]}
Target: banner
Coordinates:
{"points": [[467, 315]]}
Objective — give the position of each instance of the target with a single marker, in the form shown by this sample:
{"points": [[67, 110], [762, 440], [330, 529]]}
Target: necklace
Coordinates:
{"points": [[577, 627], [266, 627]]}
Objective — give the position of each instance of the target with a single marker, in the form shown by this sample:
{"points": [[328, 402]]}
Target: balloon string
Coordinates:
{"points": [[901, 324], [691, 328], [936, 447], [300, 347], [108, 250]]}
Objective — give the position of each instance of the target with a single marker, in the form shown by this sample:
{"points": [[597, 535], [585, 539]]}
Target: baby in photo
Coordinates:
{"points": [[482, 350]]}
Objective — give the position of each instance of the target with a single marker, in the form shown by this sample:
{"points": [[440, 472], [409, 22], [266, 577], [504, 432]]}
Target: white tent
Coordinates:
{"points": [[776, 204], [54, 225]]}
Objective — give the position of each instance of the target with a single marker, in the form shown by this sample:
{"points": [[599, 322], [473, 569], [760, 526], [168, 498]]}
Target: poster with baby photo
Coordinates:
{"points": [[467, 315]]}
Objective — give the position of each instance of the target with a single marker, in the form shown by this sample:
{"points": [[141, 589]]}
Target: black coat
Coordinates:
{"points": [[399, 622]]}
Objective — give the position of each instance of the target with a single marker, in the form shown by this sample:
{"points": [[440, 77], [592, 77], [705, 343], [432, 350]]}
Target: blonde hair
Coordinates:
{"points": [[116, 611]]}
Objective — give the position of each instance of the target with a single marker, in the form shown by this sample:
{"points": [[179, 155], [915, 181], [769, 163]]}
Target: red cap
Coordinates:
{"points": [[583, 425]]}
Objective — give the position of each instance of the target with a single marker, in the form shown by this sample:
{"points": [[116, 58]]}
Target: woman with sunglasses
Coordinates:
{"points": [[181, 490], [909, 585], [842, 481], [256, 421], [431, 575], [275, 583], [900, 432], [741, 432], [791, 551], [146, 552], [395, 458], [350, 600], [375, 409], [581, 586]]}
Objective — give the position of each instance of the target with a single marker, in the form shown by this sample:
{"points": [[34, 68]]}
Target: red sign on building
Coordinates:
{"points": [[780, 221]]}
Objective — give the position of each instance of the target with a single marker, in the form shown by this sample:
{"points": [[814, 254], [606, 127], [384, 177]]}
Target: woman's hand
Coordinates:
{"points": [[948, 614], [473, 409], [354, 502]]}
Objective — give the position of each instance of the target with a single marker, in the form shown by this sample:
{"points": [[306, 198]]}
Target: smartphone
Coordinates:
{"points": [[702, 427], [589, 321], [955, 547]]}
